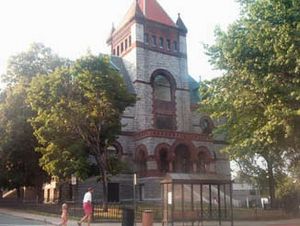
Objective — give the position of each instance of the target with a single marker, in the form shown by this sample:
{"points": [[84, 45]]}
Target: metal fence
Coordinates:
{"points": [[114, 211]]}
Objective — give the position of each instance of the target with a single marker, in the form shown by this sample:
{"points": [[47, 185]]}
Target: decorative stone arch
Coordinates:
{"points": [[206, 160], [141, 156], [163, 157], [116, 149], [206, 124], [168, 76], [163, 99], [184, 153]]}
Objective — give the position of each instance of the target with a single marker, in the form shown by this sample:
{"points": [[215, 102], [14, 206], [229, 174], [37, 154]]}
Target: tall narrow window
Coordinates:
{"points": [[122, 47], [154, 42], [161, 42], [175, 46], [126, 44], [164, 102], [129, 38], [168, 44], [118, 51], [146, 38]]}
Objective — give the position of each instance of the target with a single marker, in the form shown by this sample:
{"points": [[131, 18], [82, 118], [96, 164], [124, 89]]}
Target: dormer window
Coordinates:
{"points": [[161, 42]]}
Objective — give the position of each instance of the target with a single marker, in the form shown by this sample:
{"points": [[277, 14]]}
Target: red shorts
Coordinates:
{"points": [[87, 207]]}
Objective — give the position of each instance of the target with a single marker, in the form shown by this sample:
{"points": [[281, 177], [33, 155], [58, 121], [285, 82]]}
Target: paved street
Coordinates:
{"points": [[9, 217], [16, 221]]}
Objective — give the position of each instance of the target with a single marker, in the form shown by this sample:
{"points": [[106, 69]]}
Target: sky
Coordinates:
{"points": [[72, 27]]}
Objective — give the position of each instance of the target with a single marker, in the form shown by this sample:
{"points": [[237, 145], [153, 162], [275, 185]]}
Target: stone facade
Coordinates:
{"points": [[163, 132], [153, 52]]}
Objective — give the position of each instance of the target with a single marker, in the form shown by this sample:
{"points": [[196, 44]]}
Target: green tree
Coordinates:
{"points": [[19, 163], [289, 195], [259, 93], [83, 104], [38, 59]]}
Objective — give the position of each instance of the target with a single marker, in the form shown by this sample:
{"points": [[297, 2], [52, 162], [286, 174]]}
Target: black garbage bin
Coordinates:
{"points": [[128, 217]]}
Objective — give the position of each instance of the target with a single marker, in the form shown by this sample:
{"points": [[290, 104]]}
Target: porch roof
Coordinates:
{"points": [[184, 178]]}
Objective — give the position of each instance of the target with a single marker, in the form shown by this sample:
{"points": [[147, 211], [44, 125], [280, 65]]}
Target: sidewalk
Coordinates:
{"points": [[49, 220]]}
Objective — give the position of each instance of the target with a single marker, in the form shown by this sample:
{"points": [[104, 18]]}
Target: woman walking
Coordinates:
{"points": [[87, 207]]}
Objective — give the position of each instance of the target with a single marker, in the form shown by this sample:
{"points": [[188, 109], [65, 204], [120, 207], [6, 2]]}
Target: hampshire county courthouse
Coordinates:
{"points": [[164, 135]]}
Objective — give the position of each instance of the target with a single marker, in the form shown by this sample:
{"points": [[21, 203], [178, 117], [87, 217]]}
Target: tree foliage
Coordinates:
{"points": [[259, 94], [38, 59], [19, 162], [80, 105]]}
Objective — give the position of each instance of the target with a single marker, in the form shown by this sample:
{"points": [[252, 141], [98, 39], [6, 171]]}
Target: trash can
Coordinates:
{"points": [[147, 218], [128, 217]]}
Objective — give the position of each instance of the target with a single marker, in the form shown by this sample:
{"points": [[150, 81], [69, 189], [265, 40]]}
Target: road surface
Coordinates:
{"points": [[7, 220]]}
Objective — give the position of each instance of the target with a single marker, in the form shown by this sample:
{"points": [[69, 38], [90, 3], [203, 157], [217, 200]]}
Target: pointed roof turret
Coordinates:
{"points": [[111, 33], [181, 25]]}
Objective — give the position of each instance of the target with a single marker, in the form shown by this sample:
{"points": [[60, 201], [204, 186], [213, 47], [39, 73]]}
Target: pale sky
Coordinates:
{"points": [[71, 27]]}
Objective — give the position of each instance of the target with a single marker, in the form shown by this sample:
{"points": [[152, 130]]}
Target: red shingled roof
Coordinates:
{"points": [[153, 11], [149, 9]]}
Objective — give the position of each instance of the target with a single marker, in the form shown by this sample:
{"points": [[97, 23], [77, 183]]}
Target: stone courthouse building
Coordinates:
{"points": [[164, 132]]}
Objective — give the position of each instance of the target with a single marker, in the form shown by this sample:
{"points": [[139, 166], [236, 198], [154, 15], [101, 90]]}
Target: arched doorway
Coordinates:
{"points": [[163, 160], [182, 161], [141, 160], [206, 160]]}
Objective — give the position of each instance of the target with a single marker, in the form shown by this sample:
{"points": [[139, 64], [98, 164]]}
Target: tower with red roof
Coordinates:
{"points": [[163, 133]]}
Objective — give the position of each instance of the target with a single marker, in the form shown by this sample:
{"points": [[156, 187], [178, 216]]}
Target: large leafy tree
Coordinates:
{"points": [[259, 93], [19, 162], [38, 59], [79, 105]]}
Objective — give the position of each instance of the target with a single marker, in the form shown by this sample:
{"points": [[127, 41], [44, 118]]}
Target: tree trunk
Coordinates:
{"points": [[104, 186], [100, 159], [271, 184]]}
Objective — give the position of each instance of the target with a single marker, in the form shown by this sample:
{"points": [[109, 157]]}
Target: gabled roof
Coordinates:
{"points": [[118, 64], [149, 9], [153, 11], [194, 90]]}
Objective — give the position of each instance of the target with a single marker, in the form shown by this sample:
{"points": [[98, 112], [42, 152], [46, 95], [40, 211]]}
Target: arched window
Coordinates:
{"points": [[113, 152], [206, 125], [206, 160], [164, 109], [162, 88]]}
